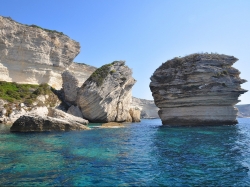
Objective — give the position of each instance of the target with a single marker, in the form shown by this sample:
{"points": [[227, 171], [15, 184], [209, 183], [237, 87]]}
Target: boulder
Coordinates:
{"points": [[199, 89], [40, 124], [70, 87], [106, 94], [59, 114], [135, 114]]}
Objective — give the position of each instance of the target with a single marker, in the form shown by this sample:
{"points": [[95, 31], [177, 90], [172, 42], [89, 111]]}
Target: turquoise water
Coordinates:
{"points": [[141, 154]]}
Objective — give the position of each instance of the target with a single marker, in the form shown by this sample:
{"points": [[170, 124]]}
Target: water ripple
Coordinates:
{"points": [[141, 154]]}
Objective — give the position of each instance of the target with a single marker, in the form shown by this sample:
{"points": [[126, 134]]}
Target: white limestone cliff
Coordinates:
{"points": [[31, 54]]}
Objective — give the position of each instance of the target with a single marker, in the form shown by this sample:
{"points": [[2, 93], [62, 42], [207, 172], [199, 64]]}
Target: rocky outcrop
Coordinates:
{"points": [[135, 114], [106, 94], [75, 111], [42, 123], [31, 54], [111, 125], [197, 89], [147, 107], [70, 87], [59, 114]]}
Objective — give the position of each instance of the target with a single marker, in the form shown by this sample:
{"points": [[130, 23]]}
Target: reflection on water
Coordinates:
{"points": [[143, 153]]}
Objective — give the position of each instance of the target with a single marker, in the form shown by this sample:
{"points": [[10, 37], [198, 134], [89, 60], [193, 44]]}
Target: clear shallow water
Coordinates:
{"points": [[140, 154]]}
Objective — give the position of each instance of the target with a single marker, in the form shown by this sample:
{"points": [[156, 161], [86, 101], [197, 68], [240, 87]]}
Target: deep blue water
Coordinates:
{"points": [[141, 154]]}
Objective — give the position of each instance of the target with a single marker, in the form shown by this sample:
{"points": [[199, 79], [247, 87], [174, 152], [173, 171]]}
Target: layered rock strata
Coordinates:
{"points": [[31, 54], [75, 111], [106, 94], [197, 89]]}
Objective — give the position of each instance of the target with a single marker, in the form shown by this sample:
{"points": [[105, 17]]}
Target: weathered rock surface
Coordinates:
{"points": [[148, 108], [59, 114], [30, 54], [39, 124], [106, 95], [70, 87], [135, 114], [197, 89], [75, 111], [112, 125]]}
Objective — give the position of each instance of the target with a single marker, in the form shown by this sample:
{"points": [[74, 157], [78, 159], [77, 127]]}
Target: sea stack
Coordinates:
{"points": [[106, 94], [199, 89]]}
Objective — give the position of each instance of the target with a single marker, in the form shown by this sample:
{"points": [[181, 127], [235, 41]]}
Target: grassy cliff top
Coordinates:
{"points": [[22, 93], [101, 73]]}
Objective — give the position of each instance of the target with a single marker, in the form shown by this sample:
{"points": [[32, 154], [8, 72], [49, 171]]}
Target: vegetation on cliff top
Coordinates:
{"points": [[24, 93], [101, 73], [48, 30], [178, 61]]}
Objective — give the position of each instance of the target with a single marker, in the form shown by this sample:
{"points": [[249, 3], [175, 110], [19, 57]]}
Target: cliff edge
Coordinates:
{"points": [[34, 55]]}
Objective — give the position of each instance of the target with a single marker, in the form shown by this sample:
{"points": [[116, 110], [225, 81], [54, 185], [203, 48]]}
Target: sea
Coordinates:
{"points": [[140, 154]]}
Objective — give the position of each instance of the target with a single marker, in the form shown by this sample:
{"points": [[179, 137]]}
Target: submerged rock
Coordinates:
{"points": [[112, 125], [197, 89], [43, 123], [106, 95]]}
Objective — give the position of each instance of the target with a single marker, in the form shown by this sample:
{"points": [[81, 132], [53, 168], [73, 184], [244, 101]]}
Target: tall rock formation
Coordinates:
{"points": [[106, 95], [197, 89], [70, 87], [31, 54]]}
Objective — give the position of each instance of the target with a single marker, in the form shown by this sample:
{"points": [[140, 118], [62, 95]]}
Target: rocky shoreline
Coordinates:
{"points": [[42, 89]]}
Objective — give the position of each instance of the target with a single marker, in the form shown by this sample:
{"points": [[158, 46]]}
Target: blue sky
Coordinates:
{"points": [[145, 33]]}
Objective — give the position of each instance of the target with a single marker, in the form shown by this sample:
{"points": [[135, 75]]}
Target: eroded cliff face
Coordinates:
{"points": [[106, 95], [148, 108], [197, 89], [30, 54], [70, 87]]}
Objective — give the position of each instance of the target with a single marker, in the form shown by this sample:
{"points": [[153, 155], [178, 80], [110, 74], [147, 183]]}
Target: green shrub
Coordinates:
{"points": [[27, 93], [48, 30], [100, 74], [28, 102]]}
